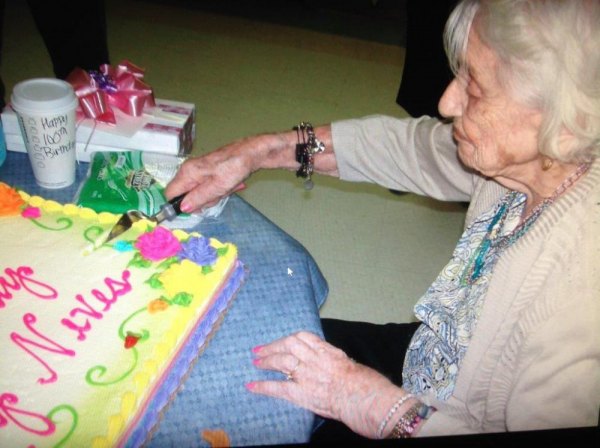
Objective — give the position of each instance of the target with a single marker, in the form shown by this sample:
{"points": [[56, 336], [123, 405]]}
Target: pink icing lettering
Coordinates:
{"points": [[29, 319], [89, 311], [117, 289], [103, 299], [81, 330], [20, 278], [19, 417], [120, 288]]}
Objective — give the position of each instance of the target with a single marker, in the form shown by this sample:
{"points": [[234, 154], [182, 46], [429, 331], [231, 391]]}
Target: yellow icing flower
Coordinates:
{"points": [[157, 305], [10, 201], [181, 277]]}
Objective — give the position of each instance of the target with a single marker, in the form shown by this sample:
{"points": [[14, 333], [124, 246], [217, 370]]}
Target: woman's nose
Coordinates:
{"points": [[450, 102]]}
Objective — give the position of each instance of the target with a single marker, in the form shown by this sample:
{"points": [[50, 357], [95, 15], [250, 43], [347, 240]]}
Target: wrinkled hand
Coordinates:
{"points": [[326, 381], [208, 178]]}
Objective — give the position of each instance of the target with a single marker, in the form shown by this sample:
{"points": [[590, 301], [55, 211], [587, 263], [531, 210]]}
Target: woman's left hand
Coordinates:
{"points": [[321, 378]]}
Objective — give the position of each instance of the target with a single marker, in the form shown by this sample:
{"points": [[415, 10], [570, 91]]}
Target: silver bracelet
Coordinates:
{"points": [[308, 145], [392, 411]]}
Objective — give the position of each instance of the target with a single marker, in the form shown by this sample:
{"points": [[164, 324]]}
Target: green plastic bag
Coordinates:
{"points": [[121, 181]]}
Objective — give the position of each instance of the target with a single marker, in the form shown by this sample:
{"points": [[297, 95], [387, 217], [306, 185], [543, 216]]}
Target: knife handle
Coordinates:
{"points": [[171, 209], [176, 203]]}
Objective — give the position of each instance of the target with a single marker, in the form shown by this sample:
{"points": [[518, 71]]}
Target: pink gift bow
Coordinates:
{"points": [[121, 87]]}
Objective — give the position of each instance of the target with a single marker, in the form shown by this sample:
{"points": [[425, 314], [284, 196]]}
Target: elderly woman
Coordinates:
{"points": [[508, 336]]}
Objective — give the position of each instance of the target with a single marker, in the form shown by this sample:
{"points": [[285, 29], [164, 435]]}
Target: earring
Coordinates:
{"points": [[547, 163]]}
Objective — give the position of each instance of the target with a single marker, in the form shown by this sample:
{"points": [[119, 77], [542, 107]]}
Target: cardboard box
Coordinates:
{"points": [[169, 128]]}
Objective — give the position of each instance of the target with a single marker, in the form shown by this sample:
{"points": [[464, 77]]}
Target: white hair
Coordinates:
{"points": [[550, 60]]}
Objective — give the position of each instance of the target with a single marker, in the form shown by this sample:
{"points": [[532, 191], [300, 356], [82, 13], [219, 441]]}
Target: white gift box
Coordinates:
{"points": [[169, 128]]}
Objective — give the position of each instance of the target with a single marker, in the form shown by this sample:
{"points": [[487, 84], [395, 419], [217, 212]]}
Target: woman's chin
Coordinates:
{"points": [[466, 155]]}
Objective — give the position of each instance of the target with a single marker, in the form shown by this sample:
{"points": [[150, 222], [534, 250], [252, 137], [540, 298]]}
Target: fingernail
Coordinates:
{"points": [[186, 207], [240, 187], [250, 386], [257, 349], [256, 361]]}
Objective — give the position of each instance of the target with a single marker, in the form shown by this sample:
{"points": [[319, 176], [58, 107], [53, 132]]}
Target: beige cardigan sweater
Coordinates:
{"points": [[534, 359]]}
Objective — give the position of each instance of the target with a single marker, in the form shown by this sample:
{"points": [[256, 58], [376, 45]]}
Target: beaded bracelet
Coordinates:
{"points": [[392, 411], [404, 427], [308, 145]]}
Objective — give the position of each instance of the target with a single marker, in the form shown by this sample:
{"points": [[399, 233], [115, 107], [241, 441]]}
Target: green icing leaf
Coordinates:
{"points": [[139, 262], [182, 299], [222, 250], [207, 269], [154, 281], [165, 264]]}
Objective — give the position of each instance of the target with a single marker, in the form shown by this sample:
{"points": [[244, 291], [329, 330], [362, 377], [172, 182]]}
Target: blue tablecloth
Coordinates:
{"points": [[281, 295]]}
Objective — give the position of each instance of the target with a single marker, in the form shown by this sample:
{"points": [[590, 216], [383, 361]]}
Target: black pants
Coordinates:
{"points": [[381, 347], [74, 33], [426, 71]]}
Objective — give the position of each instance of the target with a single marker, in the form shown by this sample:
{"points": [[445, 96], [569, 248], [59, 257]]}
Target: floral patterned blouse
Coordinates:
{"points": [[450, 308]]}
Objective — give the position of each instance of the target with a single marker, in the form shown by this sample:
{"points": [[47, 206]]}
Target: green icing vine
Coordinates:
{"points": [[64, 222], [145, 334], [71, 410], [95, 230], [95, 375], [100, 371]]}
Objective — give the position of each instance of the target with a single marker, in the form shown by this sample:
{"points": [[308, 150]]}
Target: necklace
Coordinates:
{"points": [[491, 239]]}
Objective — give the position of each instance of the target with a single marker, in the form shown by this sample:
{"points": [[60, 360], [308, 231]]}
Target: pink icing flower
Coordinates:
{"points": [[31, 212], [158, 244]]}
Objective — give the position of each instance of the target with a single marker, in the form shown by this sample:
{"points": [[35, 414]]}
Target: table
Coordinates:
{"points": [[282, 294]]}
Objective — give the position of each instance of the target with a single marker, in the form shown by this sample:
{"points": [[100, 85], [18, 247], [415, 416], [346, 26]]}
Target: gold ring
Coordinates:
{"points": [[289, 376]]}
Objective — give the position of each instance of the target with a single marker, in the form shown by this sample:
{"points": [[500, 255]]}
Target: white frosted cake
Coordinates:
{"points": [[95, 344]]}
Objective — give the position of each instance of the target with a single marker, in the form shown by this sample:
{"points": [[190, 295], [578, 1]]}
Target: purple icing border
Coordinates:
{"points": [[157, 404]]}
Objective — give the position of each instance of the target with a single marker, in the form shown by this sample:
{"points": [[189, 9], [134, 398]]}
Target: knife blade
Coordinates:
{"points": [[168, 211]]}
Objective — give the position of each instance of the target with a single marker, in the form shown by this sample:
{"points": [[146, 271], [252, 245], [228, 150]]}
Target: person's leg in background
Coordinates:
{"points": [[74, 33], [2, 92], [426, 73]]}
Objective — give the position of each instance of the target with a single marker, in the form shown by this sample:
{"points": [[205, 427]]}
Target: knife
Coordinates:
{"points": [[168, 211]]}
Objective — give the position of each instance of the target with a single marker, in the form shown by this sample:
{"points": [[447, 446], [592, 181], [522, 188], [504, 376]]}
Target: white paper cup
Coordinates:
{"points": [[45, 108]]}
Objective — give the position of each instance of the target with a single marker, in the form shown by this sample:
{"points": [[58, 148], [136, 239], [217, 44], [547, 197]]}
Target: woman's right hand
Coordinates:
{"points": [[208, 178]]}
